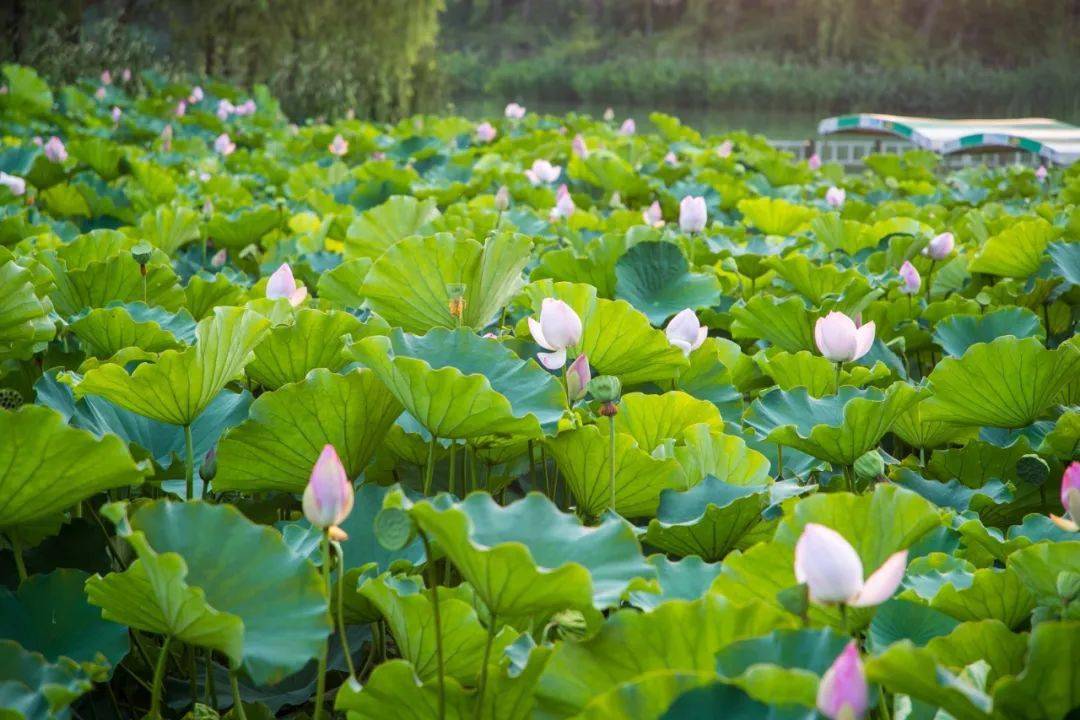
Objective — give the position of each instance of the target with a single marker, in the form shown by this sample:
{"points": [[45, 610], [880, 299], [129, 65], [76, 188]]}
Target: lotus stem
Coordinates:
{"points": [[929, 280], [779, 462], [238, 704], [839, 369], [532, 467], [16, 550], [369, 661], [438, 624], [189, 472], [341, 609], [883, 703], [211, 685], [453, 466], [843, 619], [482, 685], [159, 675], [429, 469], [320, 688], [611, 459]]}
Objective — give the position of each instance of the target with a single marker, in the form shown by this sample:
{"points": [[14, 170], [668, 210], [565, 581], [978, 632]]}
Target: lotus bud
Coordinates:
{"points": [[559, 328], [629, 127], [835, 196], [654, 215], [693, 215], [339, 146], [833, 572], [840, 340], [564, 204], [940, 247], [13, 183], [208, 468], [224, 145], [605, 388], [1041, 173], [247, 107], [578, 376], [55, 150], [225, 109], [126, 75], [142, 251], [1070, 490], [100, 93], [219, 258], [911, 279], [724, 150], [485, 132], [166, 138], [282, 284], [456, 299], [543, 172], [843, 693], [671, 158], [181, 108], [115, 114], [106, 77], [328, 497], [502, 199], [578, 146], [609, 114], [870, 466], [814, 162], [685, 332], [514, 111]]}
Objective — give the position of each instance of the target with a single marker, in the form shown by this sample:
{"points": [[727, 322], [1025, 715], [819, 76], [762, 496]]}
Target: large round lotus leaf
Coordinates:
{"points": [[679, 636], [655, 278], [838, 428], [393, 684], [986, 594], [708, 520], [710, 378], [115, 280], [1066, 259], [916, 430], [956, 333], [342, 284], [1007, 383], [729, 702], [32, 688], [654, 419], [1039, 567], [987, 640], [460, 385], [643, 698], [608, 171], [706, 451], [617, 339], [24, 318], [775, 216], [954, 494], [276, 447], [315, 340], [180, 385], [905, 669], [107, 331], [49, 614], [48, 467], [815, 373], [1016, 251], [243, 227], [897, 619], [203, 296], [529, 558], [686, 579], [784, 323], [377, 229], [168, 228], [817, 282], [211, 577], [1049, 686], [409, 286]]}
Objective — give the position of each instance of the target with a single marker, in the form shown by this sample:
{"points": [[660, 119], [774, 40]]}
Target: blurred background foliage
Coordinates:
{"points": [[387, 58]]}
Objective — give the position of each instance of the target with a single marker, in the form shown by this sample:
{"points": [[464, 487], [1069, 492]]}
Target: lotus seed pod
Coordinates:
{"points": [[605, 388]]}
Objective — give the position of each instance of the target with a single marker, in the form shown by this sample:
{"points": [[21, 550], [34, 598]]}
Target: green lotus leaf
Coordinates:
{"points": [[1017, 251], [645, 697], [954, 494], [686, 579], [105, 332], [170, 228], [1049, 686], [595, 267], [315, 340], [775, 216], [897, 619], [678, 636], [957, 333], [785, 324], [409, 285], [24, 317], [706, 451], [1064, 438], [342, 284], [49, 466], [27, 92], [276, 447], [1039, 566], [202, 295], [653, 419], [238, 229], [376, 230], [1066, 258], [49, 614], [987, 640], [65, 201], [708, 520], [817, 282], [394, 684], [916, 430], [617, 339], [709, 378], [1037, 528], [655, 278], [728, 701], [460, 385], [210, 577], [32, 688], [1007, 383], [528, 558], [905, 669], [751, 254], [181, 384], [977, 463], [815, 373], [116, 280], [839, 428], [609, 172], [837, 234]]}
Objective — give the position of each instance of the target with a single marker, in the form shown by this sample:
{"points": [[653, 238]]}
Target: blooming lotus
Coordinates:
{"points": [[564, 204], [578, 376], [693, 214], [559, 328], [671, 158], [685, 332], [835, 196], [196, 95], [653, 215], [833, 572], [514, 111], [814, 162], [247, 107], [543, 172], [13, 183], [911, 279], [1070, 498], [725, 148], [485, 132], [339, 146], [578, 147], [115, 114], [223, 145], [282, 284], [940, 247], [843, 693], [328, 497], [1041, 173], [225, 109], [839, 339], [126, 75], [55, 150], [629, 127]]}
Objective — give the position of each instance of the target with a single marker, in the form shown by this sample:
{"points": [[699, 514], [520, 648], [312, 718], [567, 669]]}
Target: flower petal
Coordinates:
{"points": [[538, 334], [827, 563], [883, 582], [552, 360]]}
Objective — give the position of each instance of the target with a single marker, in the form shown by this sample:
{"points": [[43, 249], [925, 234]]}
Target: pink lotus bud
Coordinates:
{"points": [[514, 111], [835, 196], [609, 115], [840, 340], [204, 176], [814, 162], [502, 199], [724, 151], [106, 77], [558, 329], [653, 215], [578, 146], [224, 145], [339, 146], [485, 132], [378, 155], [328, 497], [247, 107], [13, 183], [833, 572], [181, 108], [225, 109], [629, 127], [578, 376], [1070, 486], [543, 172], [693, 215], [100, 93], [126, 75], [911, 279], [282, 284], [37, 140], [55, 150], [196, 95], [685, 332], [940, 247], [1041, 173], [843, 693], [116, 113], [671, 158], [564, 204], [220, 258]]}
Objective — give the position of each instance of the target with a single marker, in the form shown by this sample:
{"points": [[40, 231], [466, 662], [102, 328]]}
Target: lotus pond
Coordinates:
{"points": [[537, 418]]}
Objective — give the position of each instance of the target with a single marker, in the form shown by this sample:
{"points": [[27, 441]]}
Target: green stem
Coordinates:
{"points": [[779, 462], [320, 687], [238, 704], [929, 280], [16, 550], [159, 675], [189, 473], [373, 651], [144, 294], [193, 675], [839, 369], [883, 703], [211, 684], [482, 685], [532, 467], [453, 466], [429, 469], [611, 459], [438, 625], [341, 609], [843, 619]]}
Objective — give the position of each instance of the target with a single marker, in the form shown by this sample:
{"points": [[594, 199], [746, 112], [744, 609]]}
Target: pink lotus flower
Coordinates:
{"points": [[282, 284], [835, 196], [106, 77], [328, 497], [514, 111], [686, 332], [225, 109], [578, 146], [840, 340], [339, 146], [671, 158], [196, 95], [693, 215], [166, 138], [247, 107], [843, 693], [126, 75], [224, 145], [502, 199], [564, 204], [485, 132], [653, 215], [100, 93], [543, 172], [1070, 486], [911, 279], [814, 162], [219, 259], [1041, 173], [629, 127], [940, 247], [559, 328], [609, 114], [724, 151], [116, 113], [578, 376], [181, 108], [378, 155], [55, 150], [13, 183], [833, 572]]}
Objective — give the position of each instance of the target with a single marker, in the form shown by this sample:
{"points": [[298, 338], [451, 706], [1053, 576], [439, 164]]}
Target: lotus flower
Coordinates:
{"points": [[558, 329], [940, 247], [629, 127], [100, 93], [339, 146], [181, 108], [725, 148], [543, 172], [126, 75], [328, 497], [502, 199], [3, 89], [247, 107], [106, 77], [833, 572], [485, 132], [814, 162], [196, 95], [685, 332], [224, 145], [225, 109], [219, 258], [1041, 173], [282, 284], [166, 138], [671, 158], [839, 339], [911, 279], [1070, 488], [609, 114], [55, 150], [578, 376], [514, 111], [578, 147], [843, 693], [15, 184], [653, 215], [835, 196], [115, 114], [564, 204], [693, 214]]}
